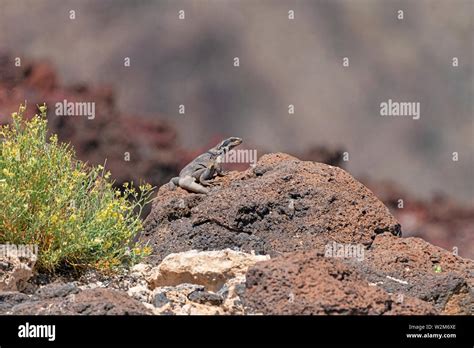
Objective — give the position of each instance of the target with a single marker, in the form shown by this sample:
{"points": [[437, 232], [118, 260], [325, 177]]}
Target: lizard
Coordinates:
{"points": [[198, 173]]}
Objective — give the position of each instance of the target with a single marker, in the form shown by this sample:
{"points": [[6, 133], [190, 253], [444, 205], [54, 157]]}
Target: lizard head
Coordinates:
{"points": [[228, 144]]}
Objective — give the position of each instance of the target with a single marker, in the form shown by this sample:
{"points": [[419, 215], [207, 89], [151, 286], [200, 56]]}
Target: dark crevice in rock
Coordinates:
{"points": [[220, 224]]}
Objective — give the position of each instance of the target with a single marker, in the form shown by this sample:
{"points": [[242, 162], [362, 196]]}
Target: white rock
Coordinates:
{"points": [[140, 293], [211, 269], [140, 269], [232, 303], [16, 267]]}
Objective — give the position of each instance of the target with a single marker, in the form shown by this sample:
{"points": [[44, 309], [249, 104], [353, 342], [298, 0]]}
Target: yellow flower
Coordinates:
{"points": [[42, 108], [7, 173]]}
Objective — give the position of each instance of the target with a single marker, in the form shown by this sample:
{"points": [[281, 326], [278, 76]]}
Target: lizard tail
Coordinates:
{"points": [[173, 183]]}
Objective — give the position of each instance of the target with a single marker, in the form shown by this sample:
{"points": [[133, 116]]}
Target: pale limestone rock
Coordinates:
{"points": [[212, 269], [232, 302], [16, 267], [140, 293], [140, 270]]}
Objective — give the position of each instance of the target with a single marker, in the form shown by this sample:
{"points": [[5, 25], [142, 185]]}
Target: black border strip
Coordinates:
{"points": [[208, 330]]}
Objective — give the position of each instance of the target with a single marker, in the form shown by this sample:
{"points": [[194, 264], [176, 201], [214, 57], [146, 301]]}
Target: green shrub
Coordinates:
{"points": [[69, 209]]}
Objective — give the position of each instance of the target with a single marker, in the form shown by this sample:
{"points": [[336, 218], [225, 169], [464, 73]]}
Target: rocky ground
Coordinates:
{"points": [[285, 237], [257, 243], [281, 205], [156, 155], [440, 220]]}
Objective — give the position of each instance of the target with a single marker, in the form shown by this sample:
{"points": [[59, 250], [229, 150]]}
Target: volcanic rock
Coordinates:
{"points": [[309, 283], [9, 299], [56, 290], [97, 301], [418, 269], [281, 205]]}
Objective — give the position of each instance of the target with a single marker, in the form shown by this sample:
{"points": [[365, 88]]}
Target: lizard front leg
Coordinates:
{"points": [[219, 169], [206, 176], [197, 173], [203, 175]]}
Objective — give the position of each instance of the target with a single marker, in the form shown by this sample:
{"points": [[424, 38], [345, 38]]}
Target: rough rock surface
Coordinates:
{"points": [[212, 269], [186, 299], [418, 269], [440, 220], [309, 283], [9, 299], [97, 301], [287, 206], [55, 290], [192, 299], [141, 293], [281, 205], [15, 268], [207, 283]]}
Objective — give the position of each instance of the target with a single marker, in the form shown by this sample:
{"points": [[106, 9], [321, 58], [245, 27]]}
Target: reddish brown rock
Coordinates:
{"points": [[416, 268], [440, 220], [281, 205], [308, 283]]}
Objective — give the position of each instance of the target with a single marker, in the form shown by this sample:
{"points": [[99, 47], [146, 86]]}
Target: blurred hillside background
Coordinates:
{"points": [[282, 62]]}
